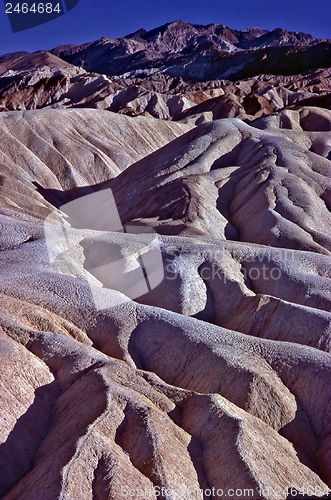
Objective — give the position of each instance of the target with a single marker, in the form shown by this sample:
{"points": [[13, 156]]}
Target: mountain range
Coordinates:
{"points": [[175, 72], [201, 53]]}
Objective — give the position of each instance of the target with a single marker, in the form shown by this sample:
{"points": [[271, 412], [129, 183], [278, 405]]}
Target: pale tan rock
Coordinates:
{"points": [[138, 394]]}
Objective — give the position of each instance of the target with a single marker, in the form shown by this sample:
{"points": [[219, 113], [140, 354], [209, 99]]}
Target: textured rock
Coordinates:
{"points": [[220, 376], [161, 379], [180, 47], [178, 71]]}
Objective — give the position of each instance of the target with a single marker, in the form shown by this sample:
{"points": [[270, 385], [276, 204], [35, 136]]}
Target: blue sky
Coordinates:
{"points": [[92, 19]]}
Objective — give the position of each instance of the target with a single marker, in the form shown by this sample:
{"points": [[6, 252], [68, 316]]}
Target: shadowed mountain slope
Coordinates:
{"points": [[179, 48], [224, 366], [178, 71]]}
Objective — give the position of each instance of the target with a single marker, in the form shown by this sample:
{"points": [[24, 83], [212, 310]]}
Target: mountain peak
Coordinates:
{"points": [[196, 52]]}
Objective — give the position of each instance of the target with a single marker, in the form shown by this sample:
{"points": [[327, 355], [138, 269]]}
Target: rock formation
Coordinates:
{"points": [[217, 381], [174, 72]]}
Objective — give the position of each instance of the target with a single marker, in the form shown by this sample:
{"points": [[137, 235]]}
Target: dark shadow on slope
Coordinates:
{"points": [[58, 197], [208, 314], [195, 451], [102, 477], [70, 413], [17, 454], [301, 433]]}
